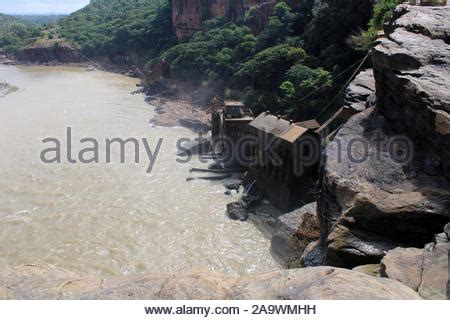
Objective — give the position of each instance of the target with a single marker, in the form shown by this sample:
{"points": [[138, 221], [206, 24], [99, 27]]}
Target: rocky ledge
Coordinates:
{"points": [[51, 53], [386, 174], [48, 282]]}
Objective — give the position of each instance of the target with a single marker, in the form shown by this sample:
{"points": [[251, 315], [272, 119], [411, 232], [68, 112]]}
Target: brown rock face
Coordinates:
{"points": [[46, 282], [384, 182], [423, 270], [404, 265], [188, 15], [48, 54]]}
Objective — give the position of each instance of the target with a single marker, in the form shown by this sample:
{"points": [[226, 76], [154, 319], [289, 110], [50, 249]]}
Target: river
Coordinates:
{"points": [[107, 218]]}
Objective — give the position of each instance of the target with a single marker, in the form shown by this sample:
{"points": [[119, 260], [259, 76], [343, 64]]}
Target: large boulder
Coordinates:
{"points": [[386, 174], [46, 282], [424, 270], [404, 265], [372, 206], [435, 274], [293, 232]]}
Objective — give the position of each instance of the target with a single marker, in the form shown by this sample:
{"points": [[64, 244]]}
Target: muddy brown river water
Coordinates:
{"points": [[107, 219]]}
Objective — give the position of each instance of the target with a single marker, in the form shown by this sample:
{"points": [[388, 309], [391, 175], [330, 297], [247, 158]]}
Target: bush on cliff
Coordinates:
{"points": [[382, 12]]}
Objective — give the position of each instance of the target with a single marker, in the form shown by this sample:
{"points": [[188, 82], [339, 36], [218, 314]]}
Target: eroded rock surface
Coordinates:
{"points": [[384, 181], [424, 270], [47, 282], [435, 272], [404, 265]]}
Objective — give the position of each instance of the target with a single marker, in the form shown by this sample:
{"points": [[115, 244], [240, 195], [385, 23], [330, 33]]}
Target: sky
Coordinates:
{"points": [[41, 6]]}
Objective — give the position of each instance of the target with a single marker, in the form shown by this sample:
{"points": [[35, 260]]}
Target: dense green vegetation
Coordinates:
{"points": [[270, 71], [15, 33], [293, 66], [114, 28], [40, 19]]}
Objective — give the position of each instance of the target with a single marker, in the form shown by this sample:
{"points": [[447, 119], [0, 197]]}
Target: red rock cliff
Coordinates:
{"points": [[188, 15]]}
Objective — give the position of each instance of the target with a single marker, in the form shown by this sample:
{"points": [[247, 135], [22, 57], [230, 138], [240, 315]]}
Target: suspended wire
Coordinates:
{"points": [[345, 86]]}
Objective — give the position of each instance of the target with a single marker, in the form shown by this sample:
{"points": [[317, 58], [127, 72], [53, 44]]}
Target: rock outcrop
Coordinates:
{"points": [[57, 53], [360, 94], [47, 282], [384, 179]]}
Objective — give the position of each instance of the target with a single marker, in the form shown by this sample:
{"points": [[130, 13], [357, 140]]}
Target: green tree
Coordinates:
{"points": [[279, 27], [267, 68]]}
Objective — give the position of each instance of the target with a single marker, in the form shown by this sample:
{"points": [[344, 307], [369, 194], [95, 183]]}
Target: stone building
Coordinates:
{"points": [[286, 159], [229, 126]]}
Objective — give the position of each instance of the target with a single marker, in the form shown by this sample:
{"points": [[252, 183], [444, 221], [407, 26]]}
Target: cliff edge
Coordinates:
{"points": [[386, 174]]}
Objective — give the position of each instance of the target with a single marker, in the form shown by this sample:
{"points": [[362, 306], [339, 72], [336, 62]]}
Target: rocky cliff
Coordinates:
{"points": [[188, 15], [386, 174]]}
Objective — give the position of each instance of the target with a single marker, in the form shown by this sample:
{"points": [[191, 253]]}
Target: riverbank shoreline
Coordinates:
{"points": [[169, 111], [91, 66]]}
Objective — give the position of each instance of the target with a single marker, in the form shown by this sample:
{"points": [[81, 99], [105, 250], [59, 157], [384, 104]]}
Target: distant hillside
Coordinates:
{"points": [[5, 19], [40, 19], [136, 30], [15, 33]]}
